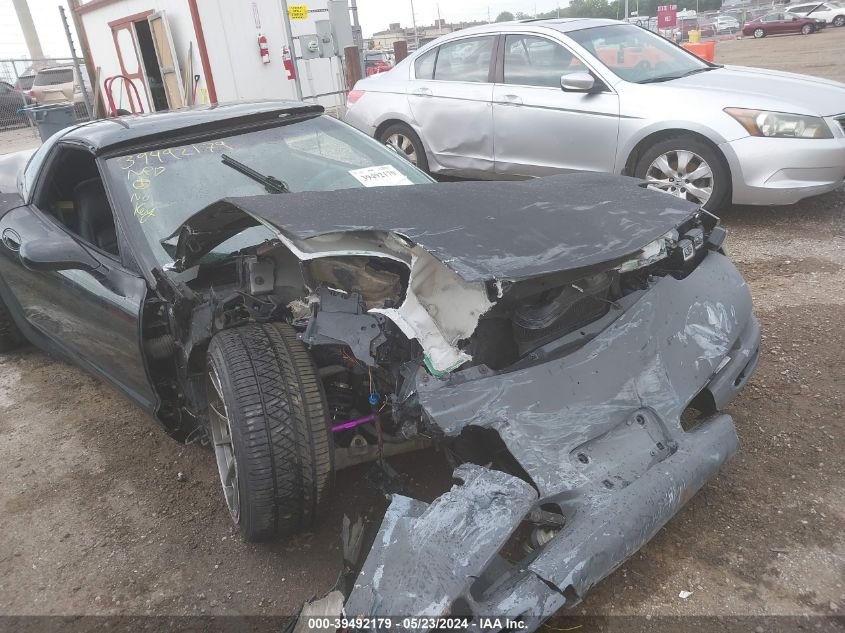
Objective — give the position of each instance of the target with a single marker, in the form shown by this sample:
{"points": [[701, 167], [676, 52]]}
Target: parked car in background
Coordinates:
{"points": [[830, 12], [55, 84], [377, 62], [11, 101], [518, 100], [24, 82], [726, 24], [695, 23], [58, 84], [780, 23]]}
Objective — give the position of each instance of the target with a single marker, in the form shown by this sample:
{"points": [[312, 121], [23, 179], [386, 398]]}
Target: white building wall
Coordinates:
{"points": [[231, 29], [102, 46], [231, 32]]}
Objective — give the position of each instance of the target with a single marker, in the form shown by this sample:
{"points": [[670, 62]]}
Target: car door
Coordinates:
{"points": [[539, 128], [92, 316], [450, 99], [788, 23], [779, 24]]}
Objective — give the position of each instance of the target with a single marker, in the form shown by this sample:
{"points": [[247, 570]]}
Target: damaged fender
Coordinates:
{"points": [[598, 431]]}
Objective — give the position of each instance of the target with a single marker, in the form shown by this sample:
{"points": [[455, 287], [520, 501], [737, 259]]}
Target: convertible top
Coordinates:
{"points": [[482, 230]]}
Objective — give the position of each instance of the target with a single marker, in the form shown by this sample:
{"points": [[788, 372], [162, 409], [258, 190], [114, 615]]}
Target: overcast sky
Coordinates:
{"points": [[374, 15], [45, 14]]}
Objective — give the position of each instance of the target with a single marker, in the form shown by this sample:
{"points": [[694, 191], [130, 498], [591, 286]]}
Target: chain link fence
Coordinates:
{"points": [[28, 83]]}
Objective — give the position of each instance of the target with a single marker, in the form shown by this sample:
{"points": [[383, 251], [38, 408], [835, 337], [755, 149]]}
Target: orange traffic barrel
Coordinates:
{"points": [[705, 50]]}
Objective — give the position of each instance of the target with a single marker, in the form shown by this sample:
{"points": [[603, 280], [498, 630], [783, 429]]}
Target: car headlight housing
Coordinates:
{"points": [[780, 124], [651, 253]]}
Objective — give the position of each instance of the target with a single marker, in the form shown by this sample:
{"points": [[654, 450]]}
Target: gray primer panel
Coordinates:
{"points": [[616, 402], [425, 556], [654, 358], [482, 230]]}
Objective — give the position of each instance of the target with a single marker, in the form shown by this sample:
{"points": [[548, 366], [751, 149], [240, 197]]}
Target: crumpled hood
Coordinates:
{"points": [[811, 95], [483, 231]]}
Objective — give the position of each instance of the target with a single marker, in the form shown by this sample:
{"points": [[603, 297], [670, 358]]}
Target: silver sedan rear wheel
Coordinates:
{"points": [[221, 436], [404, 145], [683, 174]]}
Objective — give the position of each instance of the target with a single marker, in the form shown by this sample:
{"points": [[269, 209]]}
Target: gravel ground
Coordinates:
{"points": [[101, 513]]}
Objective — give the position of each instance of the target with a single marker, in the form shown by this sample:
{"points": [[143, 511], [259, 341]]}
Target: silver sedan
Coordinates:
{"points": [[526, 99]]}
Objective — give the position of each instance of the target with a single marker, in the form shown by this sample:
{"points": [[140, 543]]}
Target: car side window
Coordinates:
{"points": [[424, 65], [26, 182], [73, 195], [537, 61], [465, 60]]}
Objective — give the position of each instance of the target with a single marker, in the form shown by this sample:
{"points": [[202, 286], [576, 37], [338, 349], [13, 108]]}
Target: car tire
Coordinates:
{"points": [[839, 20], [10, 336], [719, 179], [269, 424], [406, 141], [807, 29], [758, 33]]}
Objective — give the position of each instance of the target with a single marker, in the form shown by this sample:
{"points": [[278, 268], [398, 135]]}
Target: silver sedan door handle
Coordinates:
{"points": [[511, 100], [422, 92]]}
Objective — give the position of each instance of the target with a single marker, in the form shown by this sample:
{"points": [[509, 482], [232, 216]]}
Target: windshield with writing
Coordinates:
{"points": [[637, 55], [166, 186]]}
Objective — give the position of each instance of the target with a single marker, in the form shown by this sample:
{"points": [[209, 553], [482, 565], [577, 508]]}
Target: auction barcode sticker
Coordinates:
{"points": [[379, 176]]}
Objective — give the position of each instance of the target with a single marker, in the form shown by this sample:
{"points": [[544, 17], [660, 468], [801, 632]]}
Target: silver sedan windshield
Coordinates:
{"points": [[637, 55]]}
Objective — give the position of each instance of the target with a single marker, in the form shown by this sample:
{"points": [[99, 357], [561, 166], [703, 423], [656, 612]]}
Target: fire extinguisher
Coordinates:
{"points": [[263, 49], [287, 60]]}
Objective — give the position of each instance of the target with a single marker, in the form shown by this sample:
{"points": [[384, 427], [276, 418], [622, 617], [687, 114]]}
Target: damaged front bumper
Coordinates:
{"points": [[599, 434]]}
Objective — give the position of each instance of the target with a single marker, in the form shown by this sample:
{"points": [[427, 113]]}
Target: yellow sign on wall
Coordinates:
{"points": [[298, 12]]}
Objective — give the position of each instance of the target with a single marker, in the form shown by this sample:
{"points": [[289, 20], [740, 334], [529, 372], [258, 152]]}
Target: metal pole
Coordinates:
{"points": [[28, 28], [76, 65], [357, 35], [289, 35], [85, 49], [414, 22], [626, 11]]}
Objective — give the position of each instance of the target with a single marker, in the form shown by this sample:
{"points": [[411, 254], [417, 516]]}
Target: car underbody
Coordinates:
{"points": [[572, 372]]}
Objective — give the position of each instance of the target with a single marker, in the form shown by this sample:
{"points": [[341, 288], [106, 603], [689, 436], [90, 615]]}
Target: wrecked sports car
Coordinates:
{"points": [[264, 279]]}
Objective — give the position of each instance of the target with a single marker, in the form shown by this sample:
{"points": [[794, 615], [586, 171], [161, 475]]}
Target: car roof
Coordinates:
{"points": [[51, 68], [562, 25], [110, 134]]}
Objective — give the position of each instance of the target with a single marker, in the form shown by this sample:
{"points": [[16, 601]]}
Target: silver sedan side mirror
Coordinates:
{"points": [[577, 82]]}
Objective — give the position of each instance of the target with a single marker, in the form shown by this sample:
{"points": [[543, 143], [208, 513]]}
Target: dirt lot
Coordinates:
{"points": [[96, 518]]}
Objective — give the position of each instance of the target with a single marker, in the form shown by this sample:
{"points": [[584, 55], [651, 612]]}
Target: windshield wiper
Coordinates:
{"points": [[654, 80], [271, 184]]}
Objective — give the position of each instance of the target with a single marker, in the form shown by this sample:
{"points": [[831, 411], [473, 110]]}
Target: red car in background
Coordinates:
{"points": [[377, 62], [695, 23], [781, 22]]}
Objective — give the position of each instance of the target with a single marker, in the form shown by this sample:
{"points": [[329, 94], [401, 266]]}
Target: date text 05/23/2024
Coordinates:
{"points": [[412, 623]]}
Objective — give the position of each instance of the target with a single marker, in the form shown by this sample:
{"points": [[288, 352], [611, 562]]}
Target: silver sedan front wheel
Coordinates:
{"points": [[404, 145], [683, 174]]}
